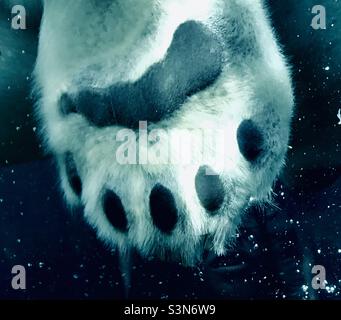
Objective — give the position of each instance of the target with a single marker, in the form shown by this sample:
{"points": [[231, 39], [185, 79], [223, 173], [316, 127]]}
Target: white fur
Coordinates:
{"points": [[122, 39]]}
